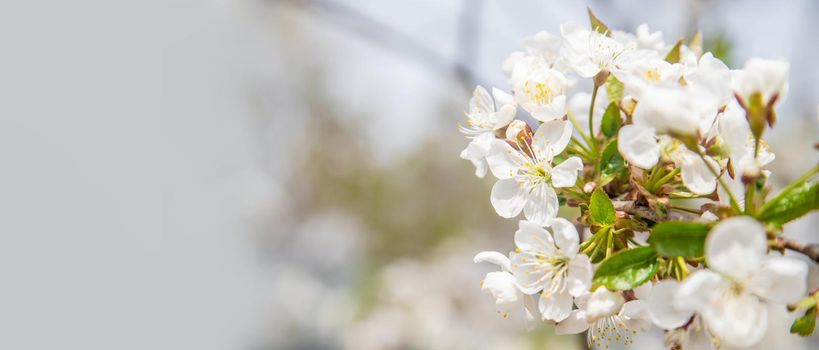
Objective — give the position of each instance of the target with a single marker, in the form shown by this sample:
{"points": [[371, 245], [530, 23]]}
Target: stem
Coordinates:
{"points": [[667, 177], [749, 198], [732, 198], [609, 243], [656, 173], [688, 210], [591, 111], [810, 250], [683, 270]]}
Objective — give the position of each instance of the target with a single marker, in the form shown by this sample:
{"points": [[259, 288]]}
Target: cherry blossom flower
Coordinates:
{"points": [[767, 77], [527, 177], [550, 263], [731, 296], [589, 52], [504, 288], [484, 117], [539, 89], [607, 316]]}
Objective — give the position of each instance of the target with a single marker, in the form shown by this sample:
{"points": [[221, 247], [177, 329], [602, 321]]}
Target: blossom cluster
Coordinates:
{"points": [[662, 167]]}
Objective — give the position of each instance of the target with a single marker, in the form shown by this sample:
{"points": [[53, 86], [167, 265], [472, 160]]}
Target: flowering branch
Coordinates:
{"points": [[679, 124]]}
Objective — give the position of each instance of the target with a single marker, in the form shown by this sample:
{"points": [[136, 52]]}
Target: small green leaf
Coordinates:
{"points": [[627, 269], [602, 210], [611, 162], [673, 56], [679, 238], [598, 25], [804, 325], [806, 303], [611, 120], [614, 89], [794, 201]]}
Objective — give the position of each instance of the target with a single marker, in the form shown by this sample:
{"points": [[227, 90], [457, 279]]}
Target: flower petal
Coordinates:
{"points": [[530, 309], [476, 152], [696, 175], [698, 291], [575, 323], [781, 279], [502, 286], [662, 310], [565, 173], [502, 98], [508, 198], [541, 206], [494, 258], [556, 307], [504, 116], [736, 247], [554, 135], [637, 313], [739, 321], [638, 145], [566, 237], [531, 237], [579, 279], [504, 161]]}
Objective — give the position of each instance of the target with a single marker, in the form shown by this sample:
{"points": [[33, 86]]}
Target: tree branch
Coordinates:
{"points": [[810, 250]]}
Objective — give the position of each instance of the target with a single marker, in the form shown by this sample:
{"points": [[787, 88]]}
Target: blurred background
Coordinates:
{"points": [[274, 174]]}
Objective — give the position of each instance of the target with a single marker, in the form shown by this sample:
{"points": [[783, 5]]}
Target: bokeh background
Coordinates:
{"points": [[284, 174]]}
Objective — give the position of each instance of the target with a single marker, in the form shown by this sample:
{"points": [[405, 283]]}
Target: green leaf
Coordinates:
{"points": [[679, 238], [673, 56], [611, 120], [627, 269], [611, 162], [804, 325], [794, 201], [614, 89], [602, 210], [598, 25]]}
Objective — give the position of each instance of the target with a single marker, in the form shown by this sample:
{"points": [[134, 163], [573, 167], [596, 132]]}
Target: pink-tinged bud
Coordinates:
{"points": [[515, 128], [750, 174]]}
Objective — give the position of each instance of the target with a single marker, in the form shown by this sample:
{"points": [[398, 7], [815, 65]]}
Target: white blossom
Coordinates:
{"points": [[483, 118], [589, 52], [550, 263], [527, 177], [607, 316], [767, 77], [731, 296], [539, 89], [646, 39], [504, 289]]}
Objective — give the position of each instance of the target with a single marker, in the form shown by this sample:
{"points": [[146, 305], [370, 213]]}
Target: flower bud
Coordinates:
{"points": [[751, 173], [600, 78], [515, 128]]}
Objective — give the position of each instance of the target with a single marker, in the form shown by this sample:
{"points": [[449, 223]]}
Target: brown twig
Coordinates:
{"points": [[810, 250]]}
